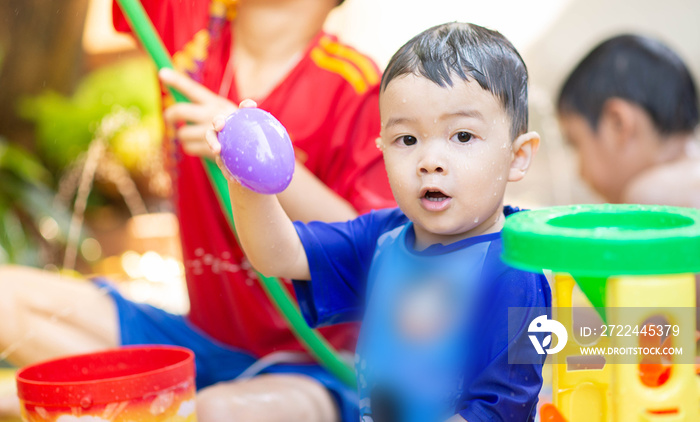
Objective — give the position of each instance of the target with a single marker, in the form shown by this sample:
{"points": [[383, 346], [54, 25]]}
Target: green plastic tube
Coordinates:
{"points": [[143, 28]]}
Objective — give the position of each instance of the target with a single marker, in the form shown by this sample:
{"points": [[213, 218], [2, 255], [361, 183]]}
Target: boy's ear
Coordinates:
{"points": [[617, 123], [524, 148], [378, 142]]}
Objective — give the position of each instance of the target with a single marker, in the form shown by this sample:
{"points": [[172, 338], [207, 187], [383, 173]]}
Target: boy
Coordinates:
{"points": [[630, 108], [426, 277], [634, 131]]}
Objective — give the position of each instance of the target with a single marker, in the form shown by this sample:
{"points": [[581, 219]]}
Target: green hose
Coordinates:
{"points": [[316, 345], [311, 339]]}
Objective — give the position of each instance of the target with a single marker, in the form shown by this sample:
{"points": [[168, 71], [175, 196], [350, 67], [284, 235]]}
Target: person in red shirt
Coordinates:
{"points": [[326, 94]]}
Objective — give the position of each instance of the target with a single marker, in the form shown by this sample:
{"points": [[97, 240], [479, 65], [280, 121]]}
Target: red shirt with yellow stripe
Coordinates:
{"points": [[329, 104]]}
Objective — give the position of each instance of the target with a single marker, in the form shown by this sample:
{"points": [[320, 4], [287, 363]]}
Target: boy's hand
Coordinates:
{"points": [[212, 139], [262, 225], [198, 114]]}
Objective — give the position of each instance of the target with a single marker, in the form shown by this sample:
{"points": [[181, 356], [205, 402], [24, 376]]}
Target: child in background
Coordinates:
{"points": [[629, 109], [425, 278]]}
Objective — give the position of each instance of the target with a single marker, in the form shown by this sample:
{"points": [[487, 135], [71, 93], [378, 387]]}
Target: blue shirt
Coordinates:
{"points": [[435, 336]]}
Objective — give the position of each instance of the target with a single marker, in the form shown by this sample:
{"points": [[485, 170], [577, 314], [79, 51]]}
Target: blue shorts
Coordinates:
{"points": [[215, 362]]}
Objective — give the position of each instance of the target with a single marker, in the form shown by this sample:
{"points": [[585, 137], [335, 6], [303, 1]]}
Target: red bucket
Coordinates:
{"points": [[143, 383]]}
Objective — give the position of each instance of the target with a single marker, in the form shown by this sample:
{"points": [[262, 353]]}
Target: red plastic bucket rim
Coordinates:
{"points": [[105, 389]]}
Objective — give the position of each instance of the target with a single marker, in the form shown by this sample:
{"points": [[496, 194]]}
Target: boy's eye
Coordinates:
{"points": [[463, 137], [407, 140]]}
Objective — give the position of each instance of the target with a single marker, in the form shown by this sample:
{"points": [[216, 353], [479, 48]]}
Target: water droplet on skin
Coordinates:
{"points": [[476, 220], [403, 101]]}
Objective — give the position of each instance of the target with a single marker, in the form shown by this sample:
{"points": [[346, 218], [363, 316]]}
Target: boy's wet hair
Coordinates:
{"points": [[469, 52], [638, 69]]}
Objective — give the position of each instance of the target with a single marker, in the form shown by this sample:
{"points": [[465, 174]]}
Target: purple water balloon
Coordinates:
{"points": [[256, 149]]}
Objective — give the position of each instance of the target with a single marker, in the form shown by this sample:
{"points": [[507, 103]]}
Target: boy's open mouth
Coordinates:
{"points": [[434, 199], [435, 195]]}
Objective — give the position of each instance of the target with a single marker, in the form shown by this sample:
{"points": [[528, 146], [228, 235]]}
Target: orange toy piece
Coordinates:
{"points": [[653, 370], [654, 374], [549, 413]]}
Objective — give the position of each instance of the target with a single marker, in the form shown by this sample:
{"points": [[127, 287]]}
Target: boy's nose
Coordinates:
{"points": [[431, 169], [433, 159], [428, 166]]}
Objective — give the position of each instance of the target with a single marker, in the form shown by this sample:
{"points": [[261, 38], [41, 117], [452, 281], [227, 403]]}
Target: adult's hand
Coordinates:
{"points": [[197, 114]]}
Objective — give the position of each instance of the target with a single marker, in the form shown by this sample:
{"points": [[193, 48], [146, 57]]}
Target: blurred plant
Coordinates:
{"points": [[32, 224], [97, 162], [108, 130], [65, 126]]}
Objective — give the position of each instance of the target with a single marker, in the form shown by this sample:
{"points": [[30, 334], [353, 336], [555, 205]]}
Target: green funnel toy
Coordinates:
{"points": [[594, 242]]}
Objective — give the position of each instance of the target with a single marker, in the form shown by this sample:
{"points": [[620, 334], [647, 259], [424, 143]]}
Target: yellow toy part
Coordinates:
{"points": [[634, 263]]}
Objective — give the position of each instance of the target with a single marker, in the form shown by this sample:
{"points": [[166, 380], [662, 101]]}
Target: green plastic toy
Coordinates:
{"points": [[594, 242]]}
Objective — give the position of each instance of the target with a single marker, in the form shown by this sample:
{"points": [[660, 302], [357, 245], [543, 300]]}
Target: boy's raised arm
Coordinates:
{"points": [[264, 230]]}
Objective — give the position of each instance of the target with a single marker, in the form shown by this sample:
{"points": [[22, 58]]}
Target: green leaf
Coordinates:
{"points": [[66, 125], [22, 163], [14, 236], [38, 201]]}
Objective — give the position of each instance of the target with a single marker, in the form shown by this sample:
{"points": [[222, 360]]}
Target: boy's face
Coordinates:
{"points": [[448, 155], [599, 164]]}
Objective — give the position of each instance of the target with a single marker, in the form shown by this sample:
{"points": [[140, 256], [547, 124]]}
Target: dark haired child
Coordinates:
{"points": [[425, 278], [630, 108]]}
